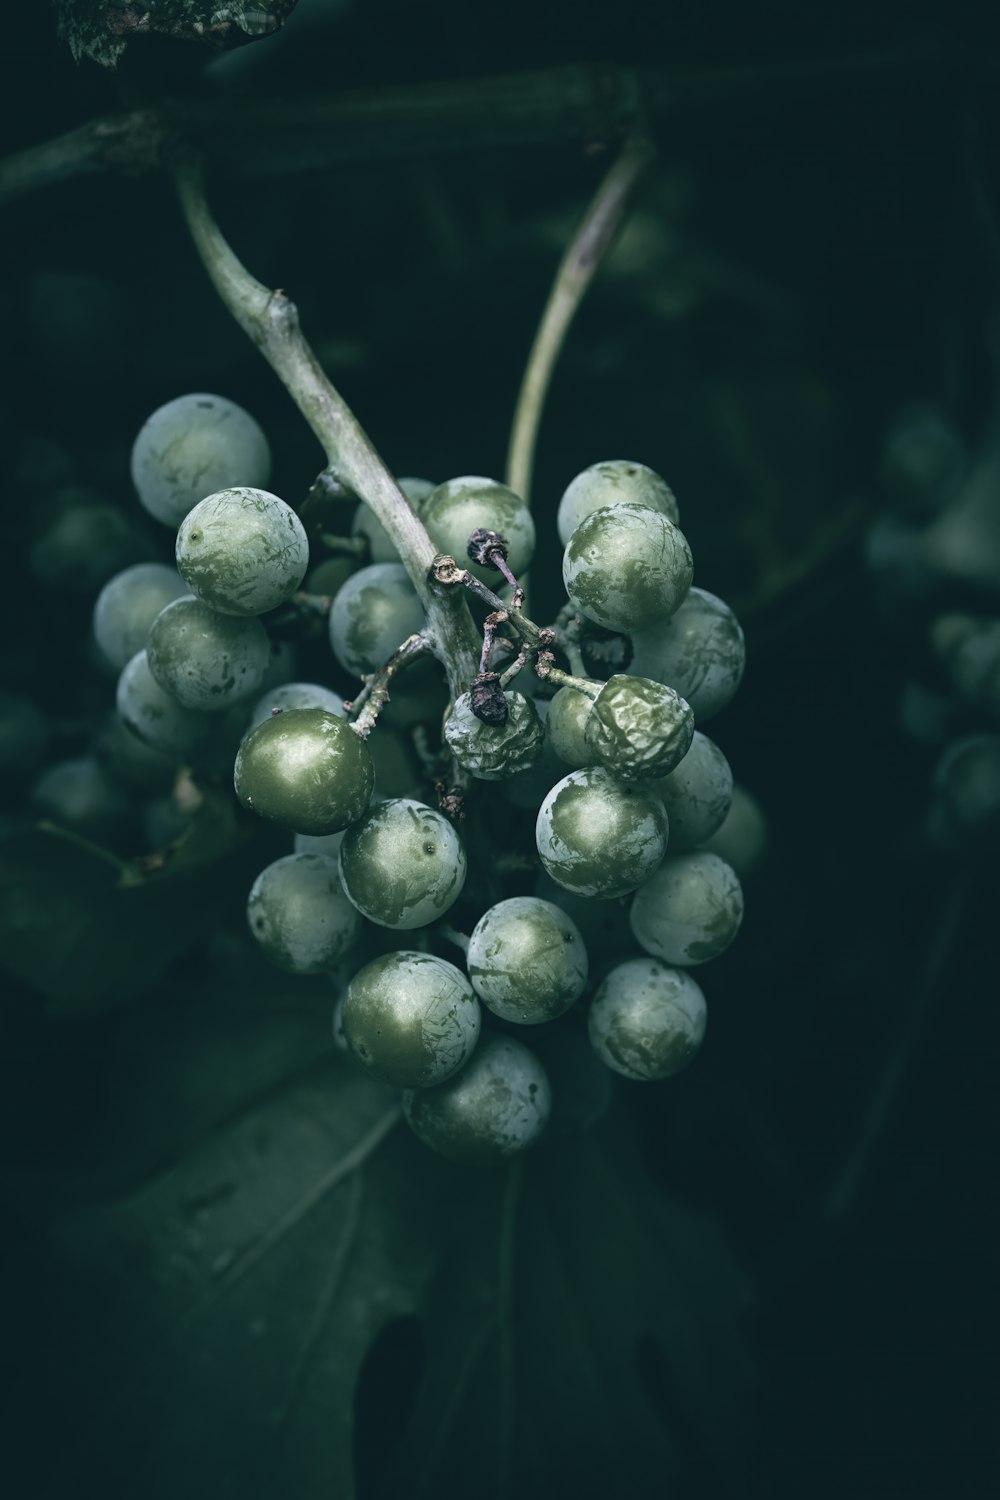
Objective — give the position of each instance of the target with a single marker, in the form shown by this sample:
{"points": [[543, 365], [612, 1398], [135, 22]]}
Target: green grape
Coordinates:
{"points": [[700, 652], [86, 545], [403, 864], [206, 660], [374, 612], [367, 524], [295, 695], [639, 729], [627, 567], [646, 1021], [569, 711], [24, 735], [741, 838], [492, 752], [192, 447], [697, 794], [615, 482], [527, 960], [298, 913], [156, 716], [497, 1106], [79, 794], [411, 1019], [457, 508], [306, 770], [243, 551], [127, 606], [690, 910], [599, 837]]}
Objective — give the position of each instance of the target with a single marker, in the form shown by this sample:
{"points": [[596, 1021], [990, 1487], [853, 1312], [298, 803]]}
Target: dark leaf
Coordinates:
{"points": [[293, 1297], [84, 927]]}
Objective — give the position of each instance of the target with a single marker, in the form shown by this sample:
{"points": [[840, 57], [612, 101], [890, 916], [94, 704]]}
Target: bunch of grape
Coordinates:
{"points": [[406, 807], [935, 552]]}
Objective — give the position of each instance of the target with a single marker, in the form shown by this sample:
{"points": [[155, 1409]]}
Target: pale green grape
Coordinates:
{"points": [[127, 606], [495, 1107], [646, 1020], [527, 960], [690, 910], [298, 913], [613, 482], [402, 864], [195, 446], [374, 612], [599, 837], [700, 652], [242, 551], [697, 794], [208, 661]]}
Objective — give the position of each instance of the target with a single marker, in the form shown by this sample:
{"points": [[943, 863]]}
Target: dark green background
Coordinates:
{"points": [[839, 262]]}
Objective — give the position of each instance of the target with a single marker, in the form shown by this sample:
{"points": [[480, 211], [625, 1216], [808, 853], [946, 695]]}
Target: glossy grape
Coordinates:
{"points": [[411, 1019], [599, 837], [497, 1106], [243, 551], [306, 770], [646, 1020], [192, 447], [527, 960], [403, 864]]}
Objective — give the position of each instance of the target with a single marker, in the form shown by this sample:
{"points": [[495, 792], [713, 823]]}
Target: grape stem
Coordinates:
{"points": [[270, 320], [577, 269], [452, 935], [375, 694], [580, 684]]}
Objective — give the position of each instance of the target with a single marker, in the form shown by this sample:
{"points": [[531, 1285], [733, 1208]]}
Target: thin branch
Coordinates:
{"points": [[580, 105], [270, 320], [375, 694], [579, 265]]}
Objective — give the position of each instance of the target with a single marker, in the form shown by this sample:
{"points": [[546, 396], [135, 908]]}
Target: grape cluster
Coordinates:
{"points": [[934, 552], [574, 824]]}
